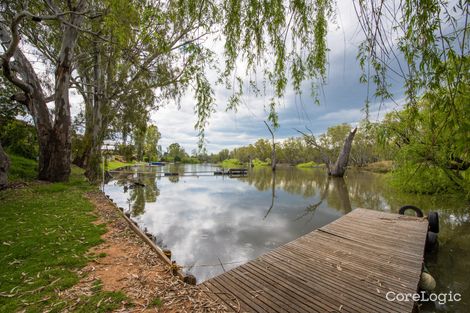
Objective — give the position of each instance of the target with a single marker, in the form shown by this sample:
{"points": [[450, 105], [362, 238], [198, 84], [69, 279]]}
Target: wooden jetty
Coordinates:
{"points": [[348, 265], [232, 172], [171, 174]]}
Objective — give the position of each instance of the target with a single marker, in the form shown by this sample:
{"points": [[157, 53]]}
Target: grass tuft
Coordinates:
{"points": [[157, 302], [46, 233]]}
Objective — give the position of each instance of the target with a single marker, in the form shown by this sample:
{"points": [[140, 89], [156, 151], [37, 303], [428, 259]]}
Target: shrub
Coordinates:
{"points": [[19, 138]]}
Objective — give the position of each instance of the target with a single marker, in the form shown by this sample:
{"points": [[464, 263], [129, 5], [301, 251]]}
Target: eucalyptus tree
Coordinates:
{"points": [[151, 54], [53, 128], [175, 152], [133, 46], [129, 48], [334, 147], [152, 136], [293, 150]]}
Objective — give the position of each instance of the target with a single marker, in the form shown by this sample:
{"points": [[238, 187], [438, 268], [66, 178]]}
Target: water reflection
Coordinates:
{"points": [[306, 183], [208, 220], [273, 194]]}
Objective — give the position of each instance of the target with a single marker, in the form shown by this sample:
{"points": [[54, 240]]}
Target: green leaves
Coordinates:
{"points": [[432, 137], [278, 39], [205, 105], [414, 42]]}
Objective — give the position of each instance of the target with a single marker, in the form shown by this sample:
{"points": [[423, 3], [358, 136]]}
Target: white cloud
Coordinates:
{"points": [[341, 100]]}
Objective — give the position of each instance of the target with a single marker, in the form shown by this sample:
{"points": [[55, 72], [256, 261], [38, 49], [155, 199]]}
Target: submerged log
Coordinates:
{"points": [[338, 169]]}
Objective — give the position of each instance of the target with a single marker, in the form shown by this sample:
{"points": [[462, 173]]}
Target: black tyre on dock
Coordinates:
{"points": [[405, 208], [433, 220], [431, 241]]}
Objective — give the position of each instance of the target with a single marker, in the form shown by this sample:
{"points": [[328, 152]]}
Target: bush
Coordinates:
{"points": [[230, 163], [257, 162], [422, 178], [127, 152], [191, 160], [19, 138]]}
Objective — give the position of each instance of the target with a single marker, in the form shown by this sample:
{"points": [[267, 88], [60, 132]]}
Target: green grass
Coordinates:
{"points": [[259, 163], [231, 163], [379, 167], [45, 235], [112, 165], [157, 302], [22, 169], [308, 164]]}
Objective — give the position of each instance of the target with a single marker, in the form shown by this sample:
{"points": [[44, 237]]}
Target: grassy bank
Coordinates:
{"points": [[114, 164], [379, 167], [22, 169], [231, 163], [235, 163], [310, 164], [46, 232], [259, 163]]}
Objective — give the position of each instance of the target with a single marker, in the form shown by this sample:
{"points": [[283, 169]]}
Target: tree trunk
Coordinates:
{"points": [[54, 133], [273, 156], [273, 150], [339, 168], [58, 151], [54, 156], [93, 161], [87, 93], [95, 138], [53, 139], [273, 194], [4, 166], [341, 191]]}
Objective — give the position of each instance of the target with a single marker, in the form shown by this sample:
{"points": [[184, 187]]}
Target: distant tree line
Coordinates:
{"points": [[427, 142], [296, 150]]}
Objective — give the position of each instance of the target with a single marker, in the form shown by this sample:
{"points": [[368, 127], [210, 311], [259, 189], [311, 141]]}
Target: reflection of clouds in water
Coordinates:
{"points": [[202, 219]]}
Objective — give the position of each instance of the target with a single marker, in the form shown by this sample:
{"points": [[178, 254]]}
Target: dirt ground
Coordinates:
{"points": [[132, 267]]}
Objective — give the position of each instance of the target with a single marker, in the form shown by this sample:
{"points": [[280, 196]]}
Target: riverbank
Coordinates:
{"points": [[310, 164], [378, 167], [235, 163], [64, 248]]}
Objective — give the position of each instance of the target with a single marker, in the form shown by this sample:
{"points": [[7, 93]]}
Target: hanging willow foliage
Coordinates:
{"points": [[279, 39], [422, 42]]}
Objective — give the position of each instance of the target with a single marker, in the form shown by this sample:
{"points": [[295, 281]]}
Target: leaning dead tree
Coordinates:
{"points": [[341, 163], [273, 150], [338, 168]]}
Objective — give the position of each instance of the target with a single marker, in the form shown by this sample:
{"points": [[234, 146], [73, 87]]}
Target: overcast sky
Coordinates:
{"points": [[342, 100]]}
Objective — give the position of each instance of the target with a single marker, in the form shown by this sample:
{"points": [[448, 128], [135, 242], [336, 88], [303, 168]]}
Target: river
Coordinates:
{"points": [[215, 223]]}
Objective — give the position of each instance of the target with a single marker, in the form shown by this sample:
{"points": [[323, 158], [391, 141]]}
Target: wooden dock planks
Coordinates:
{"points": [[346, 266]]}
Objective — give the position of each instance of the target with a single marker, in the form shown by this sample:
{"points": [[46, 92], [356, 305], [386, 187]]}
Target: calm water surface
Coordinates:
{"points": [[215, 223]]}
